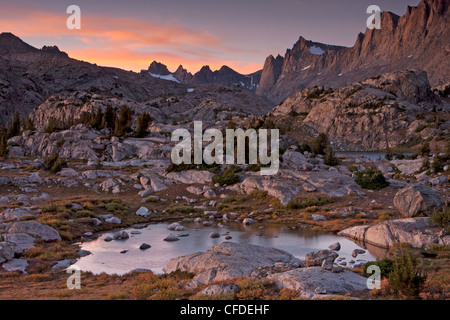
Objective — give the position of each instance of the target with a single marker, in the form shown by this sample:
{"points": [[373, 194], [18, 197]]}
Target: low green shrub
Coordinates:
{"points": [[386, 266], [180, 208], [371, 179], [214, 168], [406, 277], [295, 204], [253, 167], [54, 163], [229, 177], [330, 158], [442, 219]]}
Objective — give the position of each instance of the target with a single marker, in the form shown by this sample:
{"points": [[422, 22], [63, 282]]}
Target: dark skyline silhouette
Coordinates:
{"points": [[241, 34]]}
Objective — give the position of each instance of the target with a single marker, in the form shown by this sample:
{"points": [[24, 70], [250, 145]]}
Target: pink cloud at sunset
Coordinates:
{"points": [[127, 43]]}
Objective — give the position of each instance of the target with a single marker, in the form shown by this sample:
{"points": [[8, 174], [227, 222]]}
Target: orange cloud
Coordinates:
{"points": [[128, 43], [130, 60]]}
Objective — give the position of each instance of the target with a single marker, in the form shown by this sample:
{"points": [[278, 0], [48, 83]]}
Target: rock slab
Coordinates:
{"points": [[227, 260], [315, 281], [416, 231], [417, 199]]}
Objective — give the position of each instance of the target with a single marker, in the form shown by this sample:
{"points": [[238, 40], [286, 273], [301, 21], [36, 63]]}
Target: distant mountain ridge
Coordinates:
{"points": [[420, 39], [31, 77], [205, 75]]}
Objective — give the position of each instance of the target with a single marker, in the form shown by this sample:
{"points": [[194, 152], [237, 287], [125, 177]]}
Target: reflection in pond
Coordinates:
{"points": [[378, 252], [106, 256]]}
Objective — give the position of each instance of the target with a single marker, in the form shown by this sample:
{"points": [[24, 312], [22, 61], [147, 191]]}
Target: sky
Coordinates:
{"points": [[238, 33]]}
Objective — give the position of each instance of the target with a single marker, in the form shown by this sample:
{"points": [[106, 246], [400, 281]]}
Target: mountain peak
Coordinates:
{"points": [[53, 50], [226, 69], [180, 69], [183, 75], [158, 68], [417, 40], [8, 36], [205, 69], [9, 43]]}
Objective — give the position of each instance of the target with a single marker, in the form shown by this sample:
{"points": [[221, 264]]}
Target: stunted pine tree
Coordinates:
{"points": [[109, 116], [143, 122], [123, 123], [330, 158], [424, 149], [3, 142], [97, 119], [319, 144], [16, 124], [28, 124]]}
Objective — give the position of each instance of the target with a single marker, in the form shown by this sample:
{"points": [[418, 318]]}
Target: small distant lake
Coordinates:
{"points": [[106, 256], [375, 155]]}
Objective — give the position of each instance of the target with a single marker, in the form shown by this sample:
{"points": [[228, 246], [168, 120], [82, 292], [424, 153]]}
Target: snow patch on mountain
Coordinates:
{"points": [[168, 77], [316, 50]]}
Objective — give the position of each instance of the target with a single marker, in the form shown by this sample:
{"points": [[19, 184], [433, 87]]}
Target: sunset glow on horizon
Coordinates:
{"points": [[190, 33]]}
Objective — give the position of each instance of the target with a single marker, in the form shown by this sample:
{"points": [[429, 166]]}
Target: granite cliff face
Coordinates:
{"points": [[273, 67], [208, 102], [418, 40], [384, 111]]}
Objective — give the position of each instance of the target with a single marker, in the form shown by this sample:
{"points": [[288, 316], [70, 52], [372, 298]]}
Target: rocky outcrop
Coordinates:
{"points": [[316, 259], [6, 251], [207, 102], [289, 182], [77, 143], [335, 246], [417, 200], [328, 182], [220, 289], [154, 181], [190, 176], [54, 50], [416, 231], [63, 264], [15, 214], [418, 40], [82, 142], [16, 265], [34, 229], [120, 235], [315, 282], [227, 261], [277, 188], [21, 241], [372, 114], [408, 167]]}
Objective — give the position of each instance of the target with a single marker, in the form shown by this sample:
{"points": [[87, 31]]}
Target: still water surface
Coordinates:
{"points": [[106, 256]]}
